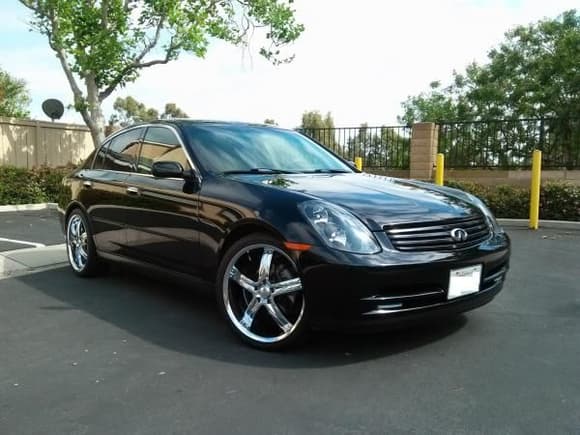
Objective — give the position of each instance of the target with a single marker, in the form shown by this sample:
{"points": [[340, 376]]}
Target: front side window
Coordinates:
{"points": [[231, 148], [123, 151], [160, 144]]}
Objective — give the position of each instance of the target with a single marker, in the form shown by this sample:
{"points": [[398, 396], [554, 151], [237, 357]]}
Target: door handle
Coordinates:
{"points": [[133, 190], [87, 184]]}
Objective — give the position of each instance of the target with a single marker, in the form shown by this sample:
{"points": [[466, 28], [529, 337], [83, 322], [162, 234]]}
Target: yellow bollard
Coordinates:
{"points": [[358, 163], [439, 169], [535, 190]]}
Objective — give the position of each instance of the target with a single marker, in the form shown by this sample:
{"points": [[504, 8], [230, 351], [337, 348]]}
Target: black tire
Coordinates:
{"points": [[92, 265], [277, 293]]}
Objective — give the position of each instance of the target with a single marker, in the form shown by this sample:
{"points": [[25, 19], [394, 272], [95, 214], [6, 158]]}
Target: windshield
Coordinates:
{"points": [[242, 148]]}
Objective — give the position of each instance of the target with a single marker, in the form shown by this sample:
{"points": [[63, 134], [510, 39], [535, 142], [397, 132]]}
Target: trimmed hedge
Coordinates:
{"points": [[558, 200], [30, 186]]}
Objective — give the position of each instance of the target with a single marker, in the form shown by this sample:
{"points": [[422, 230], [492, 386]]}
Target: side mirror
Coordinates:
{"points": [[167, 169]]}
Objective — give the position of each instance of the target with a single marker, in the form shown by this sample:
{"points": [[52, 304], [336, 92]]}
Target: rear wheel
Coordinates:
{"points": [[260, 292], [80, 247]]}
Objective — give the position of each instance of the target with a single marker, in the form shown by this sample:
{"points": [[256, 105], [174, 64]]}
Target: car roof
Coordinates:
{"points": [[204, 122]]}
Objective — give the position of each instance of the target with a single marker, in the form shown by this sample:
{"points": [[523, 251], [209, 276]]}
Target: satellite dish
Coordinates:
{"points": [[53, 108]]}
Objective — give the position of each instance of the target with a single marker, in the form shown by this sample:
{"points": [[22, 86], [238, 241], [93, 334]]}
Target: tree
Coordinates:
{"points": [[312, 120], [379, 147], [173, 112], [535, 72], [14, 97], [319, 127], [270, 121], [130, 111], [104, 45]]}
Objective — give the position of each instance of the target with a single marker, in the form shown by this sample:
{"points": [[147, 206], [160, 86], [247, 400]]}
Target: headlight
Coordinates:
{"points": [[487, 212], [338, 228]]}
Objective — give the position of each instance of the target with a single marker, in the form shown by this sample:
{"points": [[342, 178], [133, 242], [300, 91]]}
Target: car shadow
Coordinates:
{"points": [[178, 315]]}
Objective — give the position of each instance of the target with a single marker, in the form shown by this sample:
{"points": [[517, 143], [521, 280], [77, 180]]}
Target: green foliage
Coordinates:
{"points": [[562, 200], [270, 121], [320, 128], [313, 120], [30, 186], [107, 43], [14, 97], [17, 187], [383, 147], [173, 112], [111, 38], [129, 111], [534, 72], [558, 200]]}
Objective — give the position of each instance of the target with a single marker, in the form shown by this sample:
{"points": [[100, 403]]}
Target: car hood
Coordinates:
{"points": [[376, 200]]}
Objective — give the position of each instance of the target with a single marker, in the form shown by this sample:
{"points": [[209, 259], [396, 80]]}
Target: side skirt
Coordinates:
{"points": [[156, 269]]}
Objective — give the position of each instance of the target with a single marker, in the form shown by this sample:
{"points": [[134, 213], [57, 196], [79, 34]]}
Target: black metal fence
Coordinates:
{"points": [[510, 143], [379, 147]]}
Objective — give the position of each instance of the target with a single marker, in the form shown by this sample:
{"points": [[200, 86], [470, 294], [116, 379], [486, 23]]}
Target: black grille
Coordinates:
{"points": [[436, 236]]}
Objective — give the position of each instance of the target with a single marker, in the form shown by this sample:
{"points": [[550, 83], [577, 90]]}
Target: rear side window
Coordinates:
{"points": [[123, 151], [99, 162], [160, 144], [88, 163]]}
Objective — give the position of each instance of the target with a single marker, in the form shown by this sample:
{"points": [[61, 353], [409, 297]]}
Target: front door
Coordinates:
{"points": [[162, 216]]}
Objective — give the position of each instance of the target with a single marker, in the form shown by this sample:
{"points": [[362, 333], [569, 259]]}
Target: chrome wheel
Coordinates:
{"points": [[263, 294], [77, 243]]}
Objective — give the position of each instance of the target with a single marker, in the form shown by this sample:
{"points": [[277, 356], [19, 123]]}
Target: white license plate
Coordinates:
{"points": [[464, 281]]}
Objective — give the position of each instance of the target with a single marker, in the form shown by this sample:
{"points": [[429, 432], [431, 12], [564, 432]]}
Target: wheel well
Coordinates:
{"points": [[69, 210], [76, 206], [243, 231]]}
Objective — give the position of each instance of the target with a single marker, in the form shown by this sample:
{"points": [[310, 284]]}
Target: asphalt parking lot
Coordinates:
{"points": [[23, 229], [135, 353]]}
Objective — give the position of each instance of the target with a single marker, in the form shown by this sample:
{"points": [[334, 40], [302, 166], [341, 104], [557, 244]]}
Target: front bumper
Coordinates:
{"points": [[404, 288]]}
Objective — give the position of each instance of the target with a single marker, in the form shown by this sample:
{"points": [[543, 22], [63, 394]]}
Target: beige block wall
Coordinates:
{"points": [[512, 177], [29, 143], [424, 140]]}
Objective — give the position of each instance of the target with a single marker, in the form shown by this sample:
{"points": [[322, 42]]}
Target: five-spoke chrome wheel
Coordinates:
{"points": [[77, 243], [263, 294]]}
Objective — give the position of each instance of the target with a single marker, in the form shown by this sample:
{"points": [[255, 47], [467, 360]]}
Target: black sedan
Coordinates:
{"points": [[291, 235]]}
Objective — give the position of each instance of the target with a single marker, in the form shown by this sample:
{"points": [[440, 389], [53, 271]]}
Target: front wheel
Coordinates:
{"points": [[260, 293]]}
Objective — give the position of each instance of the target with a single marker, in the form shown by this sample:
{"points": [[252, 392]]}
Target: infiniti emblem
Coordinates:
{"points": [[458, 234]]}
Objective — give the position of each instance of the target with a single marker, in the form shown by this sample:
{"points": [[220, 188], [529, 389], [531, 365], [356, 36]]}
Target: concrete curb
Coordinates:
{"points": [[31, 260], [29, 207], [544, 224]]}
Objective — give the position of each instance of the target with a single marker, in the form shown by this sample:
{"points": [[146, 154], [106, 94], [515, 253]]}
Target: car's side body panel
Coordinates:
{"points": [[161, 222]]}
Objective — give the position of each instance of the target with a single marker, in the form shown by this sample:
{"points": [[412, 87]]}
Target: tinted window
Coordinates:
{"points": [[123, 151], [99, 162], [222, 148], [160, 144]]}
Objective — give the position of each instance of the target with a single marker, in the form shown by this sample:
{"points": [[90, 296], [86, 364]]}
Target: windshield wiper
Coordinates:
{"points": [[329, 171], [259, 171]]}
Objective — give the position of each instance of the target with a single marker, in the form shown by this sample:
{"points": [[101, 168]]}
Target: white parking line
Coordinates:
{"points": [[22, 242]]}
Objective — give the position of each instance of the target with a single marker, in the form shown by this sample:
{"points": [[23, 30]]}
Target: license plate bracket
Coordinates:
{"points": [[464, 281]]}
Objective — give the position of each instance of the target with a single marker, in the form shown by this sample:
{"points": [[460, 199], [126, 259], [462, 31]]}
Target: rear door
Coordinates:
{"points": [[162, 216], [104, 189]]}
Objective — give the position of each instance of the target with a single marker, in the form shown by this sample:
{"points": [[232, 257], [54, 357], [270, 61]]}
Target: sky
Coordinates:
{"points": [[356, 59]]}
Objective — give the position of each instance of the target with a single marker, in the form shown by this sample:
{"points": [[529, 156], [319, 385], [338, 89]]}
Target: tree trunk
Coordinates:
{"points": [[97, 127], [96, 121]]}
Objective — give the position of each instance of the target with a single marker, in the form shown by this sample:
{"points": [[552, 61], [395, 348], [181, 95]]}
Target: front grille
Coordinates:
{"points": [[436, 236]]}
